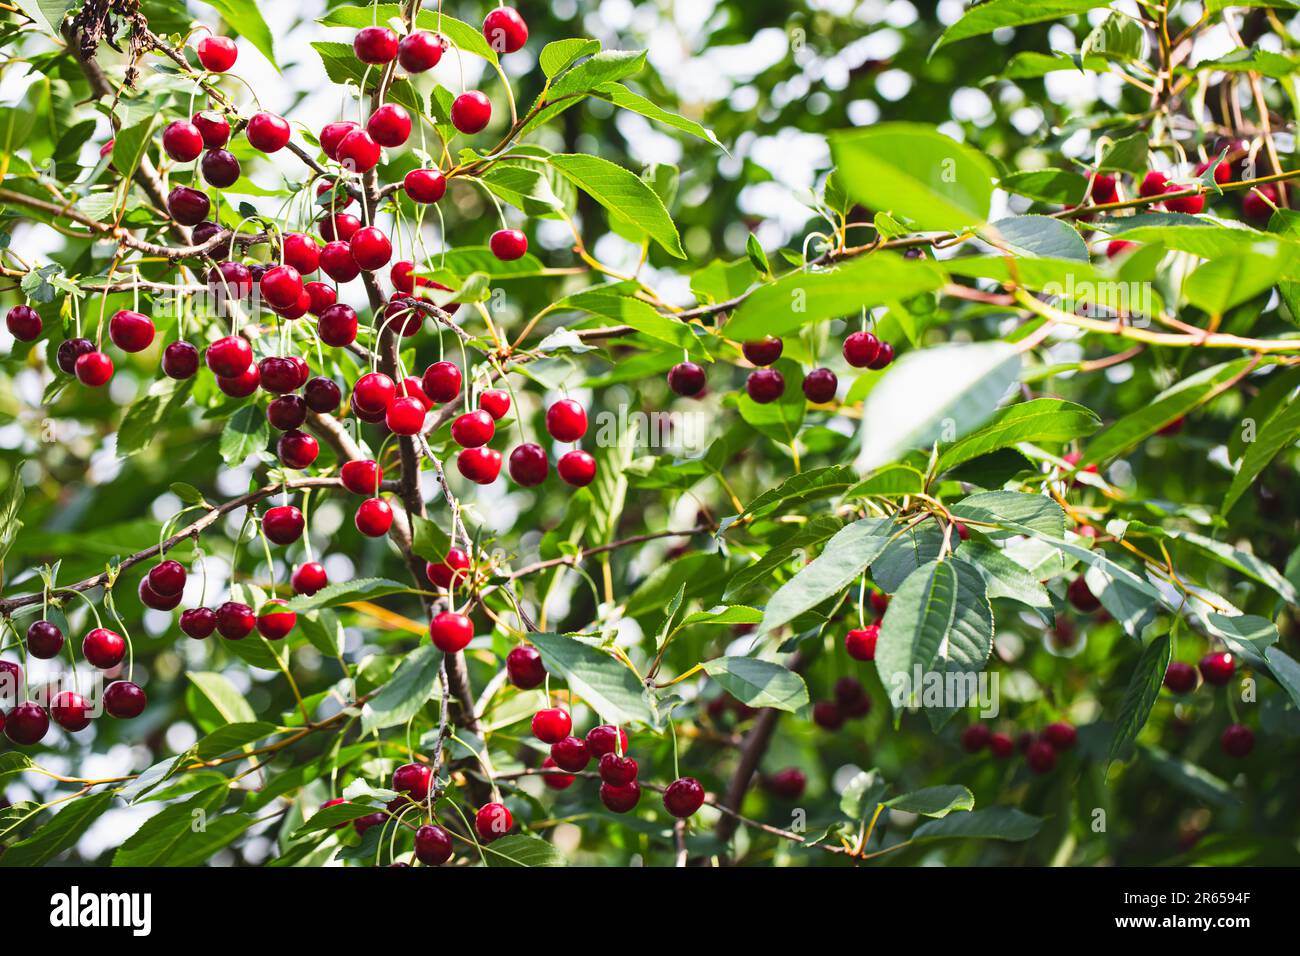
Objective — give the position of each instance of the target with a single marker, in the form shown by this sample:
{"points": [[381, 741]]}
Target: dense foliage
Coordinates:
{"points": [[870, 452]]}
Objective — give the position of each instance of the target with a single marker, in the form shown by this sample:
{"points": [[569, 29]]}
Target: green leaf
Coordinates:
{"points": [[814, 532], [162, 834], [559, 55], [608, 687], [843, 559], [199, 847], [935, 802], [244, 17], [130, 143], [759, 683], [1280, 431], [626, 99], [12, 762], [246, 432], [915, 171], [806, 486], [342, 66], [147, 414], [1005, 578], [996, 14], [802, 298], [1058, 186], [1014, 510], [736, 614], [626, 196], [410, 688], [936, 394], [327, 818], [995, 823], [1126, 155], [606, 67], [625, 310], [1038, 420], [345, 592], [58, 834], [1223, 283], [522, 849], [10, 523], [323, 631], [1140, 697], [1038, 237], [230, 738], [221, 694]]}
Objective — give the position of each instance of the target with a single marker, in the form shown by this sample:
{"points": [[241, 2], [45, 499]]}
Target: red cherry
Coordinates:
{"points": [[130, 331], [297, 450], [473, 429], [1081, 596], [420, 51], [182, 141], [232, 279], [451, 570], [479, 465], [528, 465], [124, 700], [1103, 190], [1257, 205], [276, 620], [620, 799], [402, 316], [860, 349], [371, 249], [883, 357], [442, 381], [1190, 205], [330, 136], [606, 739], [27, 724], [577, 468], [301, 253], [337, 262], [167, 577], [1117, 247], [220, 168], [217, 54], [492, 821], [413, 779], [508, 244], [551, 724], [338, 324], [975, 738], [72, 349], [308, 578], [235, 621], [362, 477], [1237, 741], [819, 386], [287, 412], [425, 185], [213, 127], [180, 360], [374, 391], [1060, 735], [405, 415], [206, 231], [103, 648], [1180, 678], [566, 420], [1217, 669], [188, 206], [94, 369], [570, 754], [277, 374], [765, 385], [686, 378], [374, 517], [390, 125], [320, 294], [450, 631], [432, 845], [375, 45], [338, 227], [1001, 746], [471, 111], [505, 30], [152, 599], [1040, 757], [615, 769], [281, 286], [44, 640], [683, 797], [1153, 184], [359, 152], [198, 622], [24, 324], [556, 781], [267, 132], [495, 402], [525, 668], [283, 524], [764, 351], [322, 394], [69, 711], [827, 715]]}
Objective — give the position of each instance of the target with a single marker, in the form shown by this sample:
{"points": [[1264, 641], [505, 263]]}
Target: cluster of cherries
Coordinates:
{"points": [[1040, 750], [1217, 670]]}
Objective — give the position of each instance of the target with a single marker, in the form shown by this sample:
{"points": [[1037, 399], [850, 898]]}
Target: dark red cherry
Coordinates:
{"points": [[686, 378], [763, 351], [528, 465], [1040, 757], [235, 621], [167, 577], [220, 168], [1060, 735], [180, 360], [620, 799], [322, 394], [198, 622], [70, 711], [432, 845], [860, 349], [182, 141], [1180, 678], [44, 640], [297, 450], [27, 724], [525, 668], [72, 349], [975, 738], [124, 700], [765, 385], [571, 754], [152, 599], [187, 206], [1237, 741], [1217, 669], [413, 779], [883, 357], [241, 385], [283, 524], [24, 324], [606, 739], [287, 412], [616, 770], [556, 781], [277, 374], [819, 386], [1081, 596], [683, 797]]}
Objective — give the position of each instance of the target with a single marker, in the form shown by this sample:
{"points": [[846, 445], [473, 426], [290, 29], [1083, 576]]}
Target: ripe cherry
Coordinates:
{"points": [[883, 357], [683, 797], [281, 286], [473, 429], [425, 185], [442, 381], [1153, 184], [765, 385], [220, 168], [617, 770], [1041, 757], [505, 30], [390, 125], [267, 132], [217, 53], [103, 648], [152, 599], [566, 420], [471, 111], [528, 465], [975, 738], [182, 141], [72, 349], [860, 349], [213, 127], [1217, 669], [551, 724], [167, 577], [1237, 741], [69, 710], [180, 360], [124, 700], [432, 845], [24, 324], [686, 378], [199, 622], [1258, 203], [819, 386], [339, 227], [450, 631], [577, 468], [620, 799], [308, 578], [373, 391], [370, 248], [763, 351], [302, 253], [606, 739], [322, 394], [1191, 205], [1103, 189], [492, 821], [480, 465], [827, 715], [338, 323], [27, 724], [94, 369], [275, 620], [556, 781], [508, 244], [375, 45], [852, 697], [359, 152], [44, 640], [405, 415], [374, 517], [413, 779], [570, 754], [1001, 745], [330, 136], [235, 621], [283, 524], [206, 231], [297, 450], [287, 412], [1060, 735], [321, 295], [362, 477], [525, 668], [233, 279], [449, 571], [1180, 678], [1081, 596], [420, 51], [1117, 247], [187, 206], [495, 402], [278, 374], [241, 385]]}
